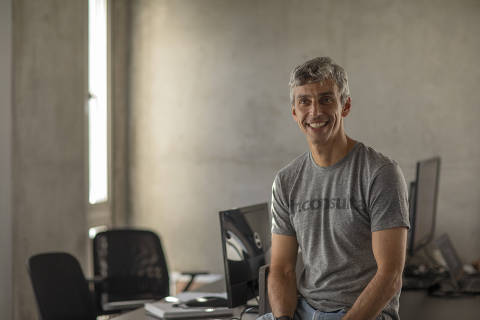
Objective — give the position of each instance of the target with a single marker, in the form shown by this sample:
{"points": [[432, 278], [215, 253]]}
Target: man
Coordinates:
{"points": [[343, 204]]}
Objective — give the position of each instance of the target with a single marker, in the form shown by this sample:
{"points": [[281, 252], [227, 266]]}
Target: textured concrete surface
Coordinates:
{"points": [[5, 158], [49, 176], [210, 122], [120, 53]]}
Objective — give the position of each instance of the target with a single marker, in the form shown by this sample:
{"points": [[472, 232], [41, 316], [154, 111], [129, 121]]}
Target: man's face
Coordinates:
{"points": [[318, 111]]}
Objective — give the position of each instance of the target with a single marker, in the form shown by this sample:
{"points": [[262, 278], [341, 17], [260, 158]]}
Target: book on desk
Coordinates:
{"points": [[175, 308], [168, 310]]}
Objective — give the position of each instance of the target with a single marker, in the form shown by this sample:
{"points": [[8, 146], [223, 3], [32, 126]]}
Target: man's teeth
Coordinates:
{"points": [[317, 124]]}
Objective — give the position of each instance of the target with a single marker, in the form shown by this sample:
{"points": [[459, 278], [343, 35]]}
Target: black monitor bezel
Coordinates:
{"points": [[233, 300], [413, 246]]}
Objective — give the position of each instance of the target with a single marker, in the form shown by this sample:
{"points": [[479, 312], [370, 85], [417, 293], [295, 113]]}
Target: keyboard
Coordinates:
{"points": [[419, 283], [470, 284]]}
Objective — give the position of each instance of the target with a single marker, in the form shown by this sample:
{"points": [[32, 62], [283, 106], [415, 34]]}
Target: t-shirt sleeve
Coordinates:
{"points": [[281, 223], [388, 199]]}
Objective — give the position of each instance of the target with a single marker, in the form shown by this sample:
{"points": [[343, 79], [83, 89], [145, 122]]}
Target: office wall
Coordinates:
{"points": [[210, 122], [120, 55], [5, 158], [48, 157]]}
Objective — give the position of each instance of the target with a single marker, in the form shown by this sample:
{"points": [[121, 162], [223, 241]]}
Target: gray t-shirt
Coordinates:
{"points": [[332, 211]]}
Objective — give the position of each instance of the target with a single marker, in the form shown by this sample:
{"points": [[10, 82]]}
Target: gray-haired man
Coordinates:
{"points": [[344, 204]]}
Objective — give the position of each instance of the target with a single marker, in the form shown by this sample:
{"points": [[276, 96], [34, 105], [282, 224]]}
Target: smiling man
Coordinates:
{"points": [[343, 204]]}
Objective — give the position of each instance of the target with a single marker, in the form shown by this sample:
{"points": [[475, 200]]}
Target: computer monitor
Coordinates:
{"points": [[246, 241], [423, 204]]}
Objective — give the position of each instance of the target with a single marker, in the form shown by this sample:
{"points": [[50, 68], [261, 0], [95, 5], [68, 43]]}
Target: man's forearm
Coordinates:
{"points": [[379, 291], [282, 292]]}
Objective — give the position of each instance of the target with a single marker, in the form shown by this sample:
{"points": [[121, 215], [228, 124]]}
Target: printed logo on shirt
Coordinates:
{"points": [[328, 204]]}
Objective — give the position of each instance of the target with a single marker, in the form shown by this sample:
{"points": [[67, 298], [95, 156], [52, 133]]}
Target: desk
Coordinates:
{"points": [[141, 314], [417, 305], [414, 305], [217, 286]]}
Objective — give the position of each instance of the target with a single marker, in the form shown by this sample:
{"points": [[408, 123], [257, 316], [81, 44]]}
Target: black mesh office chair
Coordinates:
{"points": [[60, 287], [130, 269]]}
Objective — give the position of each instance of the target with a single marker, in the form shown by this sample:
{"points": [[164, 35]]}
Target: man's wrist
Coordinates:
{"points": [[284, 317]]}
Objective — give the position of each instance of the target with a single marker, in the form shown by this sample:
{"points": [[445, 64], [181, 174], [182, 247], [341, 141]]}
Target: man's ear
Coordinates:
{"points": [[346, 107], [294, 113]]}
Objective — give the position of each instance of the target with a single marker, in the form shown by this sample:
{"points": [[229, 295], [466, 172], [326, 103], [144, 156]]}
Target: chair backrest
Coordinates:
{"points": [[263, 303], [60, 287], [132, 265]]}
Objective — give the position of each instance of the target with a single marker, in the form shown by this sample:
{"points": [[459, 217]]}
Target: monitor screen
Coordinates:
{"points": [[424, 201], [246, 241]]}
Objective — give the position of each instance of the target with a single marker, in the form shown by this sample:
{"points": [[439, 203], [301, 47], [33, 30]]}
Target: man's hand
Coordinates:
{"points": [[282, 283], [389, 248]]}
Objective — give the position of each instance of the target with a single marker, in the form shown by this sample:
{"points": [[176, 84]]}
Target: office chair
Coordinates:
{"points": [[130, 268], [60, 287], [263, 303]]}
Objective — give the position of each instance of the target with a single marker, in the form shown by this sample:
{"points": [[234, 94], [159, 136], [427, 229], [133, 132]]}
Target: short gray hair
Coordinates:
{"points": [[318, 70]]}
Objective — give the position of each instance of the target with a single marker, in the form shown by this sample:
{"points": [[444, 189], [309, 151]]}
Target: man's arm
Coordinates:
{"points": [[389, 250], [282, 285]]}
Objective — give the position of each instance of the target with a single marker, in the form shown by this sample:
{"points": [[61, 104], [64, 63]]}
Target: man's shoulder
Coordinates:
{"points": [[292, 168], [373, 160]]}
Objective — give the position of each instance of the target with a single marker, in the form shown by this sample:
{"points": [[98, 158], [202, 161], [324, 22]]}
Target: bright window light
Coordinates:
{"points": [[97, 103]]}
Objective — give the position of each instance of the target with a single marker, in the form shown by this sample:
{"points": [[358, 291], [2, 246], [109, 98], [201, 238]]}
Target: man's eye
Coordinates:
{"points": [[327, 100], [303, 101]]}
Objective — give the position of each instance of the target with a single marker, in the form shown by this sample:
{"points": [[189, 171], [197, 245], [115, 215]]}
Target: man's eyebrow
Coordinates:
{"points": [[300, 96], [328, 93]]}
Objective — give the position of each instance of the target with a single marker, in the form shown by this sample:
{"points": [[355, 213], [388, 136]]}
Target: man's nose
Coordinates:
{"points": [[315, 108]]}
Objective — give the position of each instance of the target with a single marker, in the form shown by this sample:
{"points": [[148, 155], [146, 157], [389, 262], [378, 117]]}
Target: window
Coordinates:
{"points": [[98, 173], [98, 123]]}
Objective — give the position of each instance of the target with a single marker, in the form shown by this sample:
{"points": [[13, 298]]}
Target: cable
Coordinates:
{"points": [[247, 309]]}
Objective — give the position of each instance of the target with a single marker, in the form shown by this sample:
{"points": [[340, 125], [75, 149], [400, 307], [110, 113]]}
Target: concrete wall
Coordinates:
{"points": [[48, 136], [5, 158], [120, 55], [210, 122]]}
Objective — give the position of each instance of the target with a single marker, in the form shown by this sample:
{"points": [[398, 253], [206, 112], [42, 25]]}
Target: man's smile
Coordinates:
{"points": [[317, 124]]}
